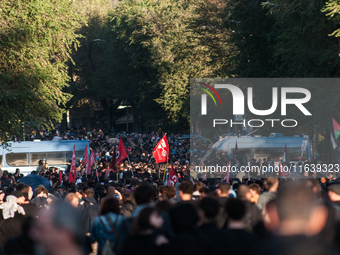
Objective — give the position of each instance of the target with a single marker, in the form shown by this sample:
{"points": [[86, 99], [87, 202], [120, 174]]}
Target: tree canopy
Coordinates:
{"points": [[36, 40]]}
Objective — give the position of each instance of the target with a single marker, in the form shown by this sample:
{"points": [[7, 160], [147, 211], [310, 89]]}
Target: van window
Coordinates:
{"points": [[17, 159], [52, 158], [79, 154], [273, 153]]}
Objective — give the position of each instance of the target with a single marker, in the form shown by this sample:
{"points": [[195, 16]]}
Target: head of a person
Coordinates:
{"points": [[19, 195], [72, 199], [58, 228], [185, 190], [271, 184], [171, 192], [204, 192], [127, 198], [89, 193], [148, 219], [296, 210], [109, 205], [244, 192], [144, 194], [255, 189], [223, 190], [27, 191], [235, 209], [111, 191], [162, 190], [208, 208], [198, 186], [41, 191]]}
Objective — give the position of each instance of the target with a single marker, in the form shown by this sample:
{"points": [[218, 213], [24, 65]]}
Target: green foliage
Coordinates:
{"points": [[168, 42], [35, 43]]}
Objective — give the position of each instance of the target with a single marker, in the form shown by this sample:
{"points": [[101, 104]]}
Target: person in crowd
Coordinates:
{"points": [[40, 200], [89, 209], [255, 191], [187, 238], [253, 213], [271, 185], [31, 210], [59, 231], [296, 218], [171, 195], [128, 205], [237, 238], [185, 191], [208, 211], [197, 186], [11, 217], [72, 199], [146, 237], [24, 243], [223, 196], [105, 226]]}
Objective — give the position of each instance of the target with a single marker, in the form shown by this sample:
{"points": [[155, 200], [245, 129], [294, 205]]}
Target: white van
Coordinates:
{"points": [[26, 155]]}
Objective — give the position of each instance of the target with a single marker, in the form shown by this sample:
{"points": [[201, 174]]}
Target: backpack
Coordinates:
{"points": [[108, 246]]}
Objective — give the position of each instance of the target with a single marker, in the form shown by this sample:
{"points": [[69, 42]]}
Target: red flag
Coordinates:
{"points": [[90, 164], [113, 162], [172, 178], [227, 173], [121, 152], [161, 151], [86, 157], [60, 176], [73, 169]]}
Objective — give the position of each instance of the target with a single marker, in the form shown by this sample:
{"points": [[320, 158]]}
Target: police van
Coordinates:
{"points": [[26, 155]]}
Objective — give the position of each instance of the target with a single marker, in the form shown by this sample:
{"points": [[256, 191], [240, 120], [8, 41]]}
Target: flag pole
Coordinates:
{"points": [[165, 170], [131, 167]]}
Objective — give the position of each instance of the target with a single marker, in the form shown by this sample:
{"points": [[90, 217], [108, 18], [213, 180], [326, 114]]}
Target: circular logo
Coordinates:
{"points": [[117, 154]]}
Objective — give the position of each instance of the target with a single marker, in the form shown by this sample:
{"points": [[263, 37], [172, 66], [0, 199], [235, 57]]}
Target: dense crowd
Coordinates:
{"points": [[135, 211], [139, 216]]}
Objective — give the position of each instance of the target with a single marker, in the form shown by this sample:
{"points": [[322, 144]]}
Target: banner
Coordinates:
{"points": [[172, 178], [73, 169], [161, 151], [121, 152], [91, 162], [85, 157]]}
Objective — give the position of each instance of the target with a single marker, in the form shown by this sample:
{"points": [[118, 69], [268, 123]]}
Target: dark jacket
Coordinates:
{"points": [[10, 228], [20, 245], [253, 215], [89, 209], [214, 236], [222, 216]]}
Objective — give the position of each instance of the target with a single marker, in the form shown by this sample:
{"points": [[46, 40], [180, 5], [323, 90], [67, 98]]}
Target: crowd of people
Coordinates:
{"points": [[139, 216], [136, 211]]}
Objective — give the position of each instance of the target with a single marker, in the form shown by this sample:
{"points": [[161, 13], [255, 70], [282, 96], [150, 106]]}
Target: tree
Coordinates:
{"points": [[166, 43], [36, 38]]}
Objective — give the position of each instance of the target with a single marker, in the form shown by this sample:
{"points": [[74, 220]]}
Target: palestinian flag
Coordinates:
{"points": [[336, 128], [334, 145]]}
